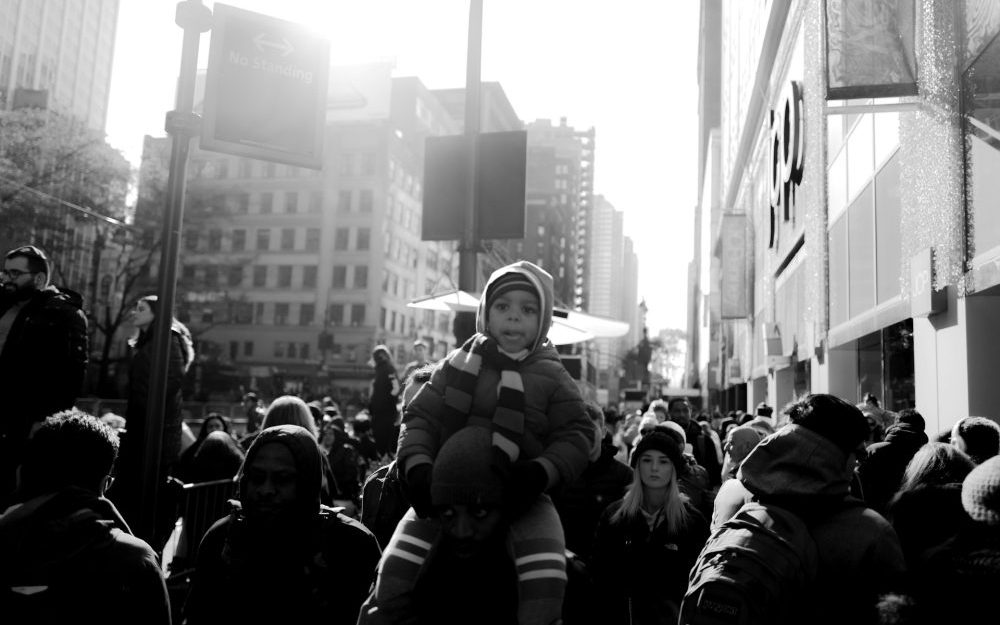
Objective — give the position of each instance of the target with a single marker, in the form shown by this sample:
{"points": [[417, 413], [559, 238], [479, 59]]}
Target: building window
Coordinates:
{"points": [[234, 350], [214, 240], [368, 164], [341, 239], [263, 239], [239, 240], [258, 313], [346, 164], [266, 203], [242, 203], [339, 276], [211, 276], [367, 200], [235, 275], [361, 276], [247, 348], [187, 273], [344, 202], [364, 238], [316, 201], [260, 276], [287, 239], [291, 202], [191, 240], [304, 351], [309, 276], [335, 314], [281, 314], [307, 312], [242, 312], [279, 349], [312, 239], [357, 314], [284, 276]]}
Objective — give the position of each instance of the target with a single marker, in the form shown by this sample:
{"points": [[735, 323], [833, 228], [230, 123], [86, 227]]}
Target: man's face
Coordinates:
{"points": [[17, 278], [467, 529], [680, 413], [270, 483], [419, 351]]}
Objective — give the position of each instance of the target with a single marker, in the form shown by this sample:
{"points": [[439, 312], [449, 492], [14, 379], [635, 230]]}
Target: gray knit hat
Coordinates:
{"points": [[463, 472], [981, 492]]}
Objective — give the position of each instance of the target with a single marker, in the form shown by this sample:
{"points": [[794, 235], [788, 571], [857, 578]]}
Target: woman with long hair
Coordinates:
{"points": [[129, 474], [927, 509], [648, 541]]}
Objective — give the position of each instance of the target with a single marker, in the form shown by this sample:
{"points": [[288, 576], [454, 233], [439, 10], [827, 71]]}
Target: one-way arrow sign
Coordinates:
{"points": [[282, 46], [265, 92]]}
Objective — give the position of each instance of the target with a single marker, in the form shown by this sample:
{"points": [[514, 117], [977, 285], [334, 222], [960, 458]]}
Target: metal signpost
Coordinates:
{"points": [[265, 99]]}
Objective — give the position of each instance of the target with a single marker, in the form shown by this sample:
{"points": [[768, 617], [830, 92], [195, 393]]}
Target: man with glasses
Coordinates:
{"points": [[43, 353]]}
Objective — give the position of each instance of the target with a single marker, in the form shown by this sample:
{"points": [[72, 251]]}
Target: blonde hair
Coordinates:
{"points": [[674, 506], [290, 410]]}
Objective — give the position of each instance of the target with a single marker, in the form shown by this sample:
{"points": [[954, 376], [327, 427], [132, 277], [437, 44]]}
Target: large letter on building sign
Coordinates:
{"points": [[788, 150]]}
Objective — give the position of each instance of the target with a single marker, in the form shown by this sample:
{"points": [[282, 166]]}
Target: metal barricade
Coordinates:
{"points": [[199, 505]]}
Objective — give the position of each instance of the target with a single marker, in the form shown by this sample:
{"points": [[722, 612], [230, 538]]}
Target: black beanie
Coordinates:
{"points": [[833, 418], [660, 439], [463, 472], [513, 281]]}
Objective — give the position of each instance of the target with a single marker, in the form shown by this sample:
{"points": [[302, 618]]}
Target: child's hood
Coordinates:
{"points": [[543, 283]]}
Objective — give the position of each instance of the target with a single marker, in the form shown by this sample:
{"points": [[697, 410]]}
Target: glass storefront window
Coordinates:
{"points": [[885, 366], [838, 271], [860, 158], [861, 252], [837, 186], [886, 136], [981, 82], [887, 243]]}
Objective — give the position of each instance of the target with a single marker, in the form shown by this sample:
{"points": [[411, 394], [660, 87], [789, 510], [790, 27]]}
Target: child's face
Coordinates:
{"points": [[513, 320]]}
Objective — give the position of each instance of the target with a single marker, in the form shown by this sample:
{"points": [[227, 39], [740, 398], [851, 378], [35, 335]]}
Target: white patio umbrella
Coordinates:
{"points": [[568, 326]]}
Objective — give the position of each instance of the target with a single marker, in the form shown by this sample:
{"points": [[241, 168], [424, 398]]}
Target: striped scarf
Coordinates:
{"points": [[461, 372]]}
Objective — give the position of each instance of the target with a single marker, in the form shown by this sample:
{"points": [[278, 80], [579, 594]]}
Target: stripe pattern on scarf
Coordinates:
{"points": [[461, 372]]}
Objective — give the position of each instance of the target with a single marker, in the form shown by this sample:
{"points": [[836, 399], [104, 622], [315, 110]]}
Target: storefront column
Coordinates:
{"points": [[956, 359], [782, 385]]}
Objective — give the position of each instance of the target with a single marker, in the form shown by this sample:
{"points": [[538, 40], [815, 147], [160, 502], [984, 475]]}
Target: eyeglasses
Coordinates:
{"points": [[14, 274]]}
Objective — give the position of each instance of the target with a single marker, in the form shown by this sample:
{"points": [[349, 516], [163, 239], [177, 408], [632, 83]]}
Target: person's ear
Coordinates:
{"points": [[41, 279], [106, 482]]}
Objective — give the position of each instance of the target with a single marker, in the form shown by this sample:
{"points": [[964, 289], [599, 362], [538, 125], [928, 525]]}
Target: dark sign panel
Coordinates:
{"points": [[265, 93], [502, 174]]}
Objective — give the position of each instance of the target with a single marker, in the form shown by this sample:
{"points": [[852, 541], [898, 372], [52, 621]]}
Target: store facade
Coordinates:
{"points": [[855, 240]]}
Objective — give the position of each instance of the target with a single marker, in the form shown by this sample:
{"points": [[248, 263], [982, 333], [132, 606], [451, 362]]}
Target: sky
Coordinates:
{"points": [[626, 68]]}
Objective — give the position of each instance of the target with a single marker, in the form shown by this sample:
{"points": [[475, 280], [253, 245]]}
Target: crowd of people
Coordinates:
{"points": [[482, 487]]}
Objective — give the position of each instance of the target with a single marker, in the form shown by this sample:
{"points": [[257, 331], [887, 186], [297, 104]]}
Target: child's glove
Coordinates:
{"points": [[527, 482], [417, 488]]}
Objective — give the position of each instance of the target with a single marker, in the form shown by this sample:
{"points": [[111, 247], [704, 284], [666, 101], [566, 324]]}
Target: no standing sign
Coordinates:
{"points": [[265, 93]]}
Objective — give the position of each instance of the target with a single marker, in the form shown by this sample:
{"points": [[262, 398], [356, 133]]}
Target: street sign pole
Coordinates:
{"points": [[181, 125], [468, 249]]}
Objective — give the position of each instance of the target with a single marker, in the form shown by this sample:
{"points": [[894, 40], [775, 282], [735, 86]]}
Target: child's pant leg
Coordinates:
{"points": [[403, 558], [539, 550]]}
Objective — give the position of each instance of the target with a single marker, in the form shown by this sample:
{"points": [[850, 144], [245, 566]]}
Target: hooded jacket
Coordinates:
{"points": [[859, 553], [558, 431], [315, 564], [882, 470], [74, 550], [44, 358]]}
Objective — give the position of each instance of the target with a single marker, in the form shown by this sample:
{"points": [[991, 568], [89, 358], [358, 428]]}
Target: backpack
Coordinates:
{"points": [[757, 567]]}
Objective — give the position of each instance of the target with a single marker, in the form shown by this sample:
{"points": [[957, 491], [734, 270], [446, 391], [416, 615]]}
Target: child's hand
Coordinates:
{"points": [[527, 481], [417, 488]]}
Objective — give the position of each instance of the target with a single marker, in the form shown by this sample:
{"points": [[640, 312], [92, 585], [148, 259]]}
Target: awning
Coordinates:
{"points": [[568, 326]]}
